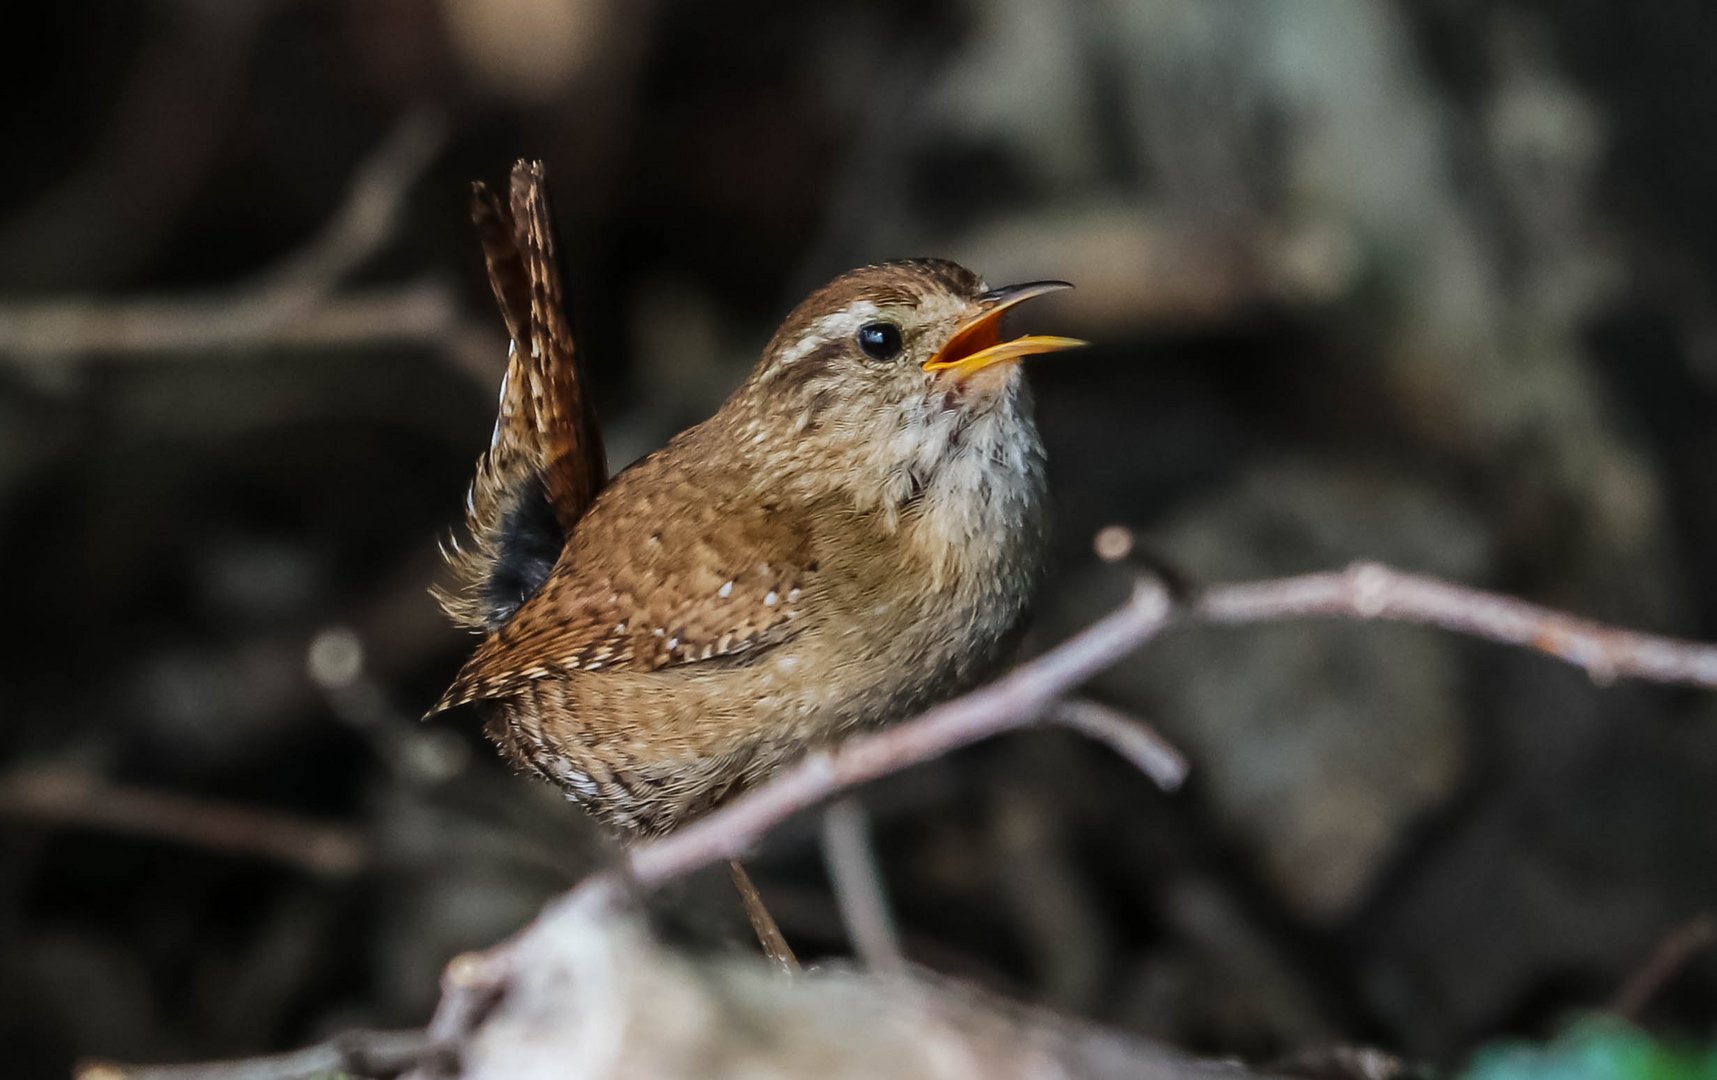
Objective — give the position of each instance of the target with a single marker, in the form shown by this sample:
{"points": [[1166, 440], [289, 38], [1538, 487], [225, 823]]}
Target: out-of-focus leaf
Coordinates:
{"points": [[1595, 1050]]}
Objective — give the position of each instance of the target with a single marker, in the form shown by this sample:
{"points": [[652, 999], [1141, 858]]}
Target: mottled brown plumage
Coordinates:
{"points": [[854, 534]]}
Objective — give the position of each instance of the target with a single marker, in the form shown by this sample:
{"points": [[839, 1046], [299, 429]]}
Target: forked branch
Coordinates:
{"points": [[1036, 691], [1364, 591]]}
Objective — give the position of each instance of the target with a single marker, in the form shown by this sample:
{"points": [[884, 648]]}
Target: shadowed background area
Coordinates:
{"points": [[1428, 282]]}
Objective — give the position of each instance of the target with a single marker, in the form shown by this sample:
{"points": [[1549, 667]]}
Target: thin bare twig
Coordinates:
{"points": [[1666, 960], [763, 924], [368, 216], [59, 797], [1373, 591], [859, 892], [1133, 739], [292, 304], [378, 1054], [416, 313], [269, 307]]}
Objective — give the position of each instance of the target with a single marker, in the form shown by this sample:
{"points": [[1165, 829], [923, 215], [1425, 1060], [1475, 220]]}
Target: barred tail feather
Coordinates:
{"points": [[545, 461]]}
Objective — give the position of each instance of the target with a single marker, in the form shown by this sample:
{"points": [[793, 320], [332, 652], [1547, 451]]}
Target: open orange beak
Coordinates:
{"points": [[978, 344]]}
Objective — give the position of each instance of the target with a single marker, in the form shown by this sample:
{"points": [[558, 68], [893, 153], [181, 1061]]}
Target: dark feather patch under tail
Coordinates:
{"points": [[530, 542]]}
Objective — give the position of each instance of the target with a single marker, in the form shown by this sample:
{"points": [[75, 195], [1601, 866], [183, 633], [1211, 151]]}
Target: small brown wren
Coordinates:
{"points": [[853, 535]]}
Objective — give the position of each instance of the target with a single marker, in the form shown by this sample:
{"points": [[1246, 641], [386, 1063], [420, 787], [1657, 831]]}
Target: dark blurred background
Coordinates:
{"points": [[1429, 282]]}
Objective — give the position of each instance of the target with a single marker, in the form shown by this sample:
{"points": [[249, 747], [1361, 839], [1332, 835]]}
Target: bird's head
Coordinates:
{"points": [[889, 374]]}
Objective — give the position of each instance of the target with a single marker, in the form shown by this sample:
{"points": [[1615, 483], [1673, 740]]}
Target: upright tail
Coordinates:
{"points": [[545, 462]]}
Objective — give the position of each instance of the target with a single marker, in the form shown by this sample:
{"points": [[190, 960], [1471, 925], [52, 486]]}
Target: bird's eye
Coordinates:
{"points": [[880, 340]]}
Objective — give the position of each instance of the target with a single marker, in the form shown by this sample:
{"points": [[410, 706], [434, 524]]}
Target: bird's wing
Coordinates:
{"points": [[659, 576], [545, 462]]}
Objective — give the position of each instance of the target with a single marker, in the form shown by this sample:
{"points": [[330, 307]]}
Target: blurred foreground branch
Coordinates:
{"points": [[581, 983], [856, 879], [379, 1054]]}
